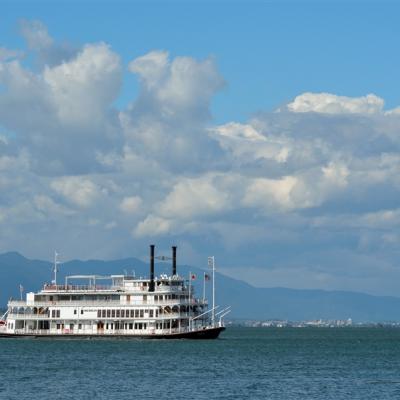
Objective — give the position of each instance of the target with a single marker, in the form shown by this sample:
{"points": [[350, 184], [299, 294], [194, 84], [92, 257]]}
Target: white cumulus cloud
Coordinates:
{"points": [[83, 88], [195, 197], [332, 104], [287, 190], [78, 190], [130, 205], [36, 34], [152, 226]]}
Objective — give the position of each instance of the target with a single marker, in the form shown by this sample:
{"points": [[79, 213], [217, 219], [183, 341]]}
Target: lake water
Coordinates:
{"points": [[245, 363]]}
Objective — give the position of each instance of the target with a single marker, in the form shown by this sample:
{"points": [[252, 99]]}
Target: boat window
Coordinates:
{"points": [[58, 326], [136, 313], [141, 313], [151, 313], [122, 313], [108, 313], [98, 313], [58, 313], [103, 313], [130, 326], [117, 313], [79, 326], [74, 312], [113, 313], [81, 311], [132, 313]]}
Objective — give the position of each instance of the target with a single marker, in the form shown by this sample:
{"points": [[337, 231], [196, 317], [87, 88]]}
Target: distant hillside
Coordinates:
{"points": [[246, 301]]}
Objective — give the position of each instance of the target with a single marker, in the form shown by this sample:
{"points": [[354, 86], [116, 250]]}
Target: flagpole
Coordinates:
{"points": [[56, 262], [190, 287], [213, 289], [204, 287]]}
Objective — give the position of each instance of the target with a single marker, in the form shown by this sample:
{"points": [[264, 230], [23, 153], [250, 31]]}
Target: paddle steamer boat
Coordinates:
{"points": [[128, 307]]}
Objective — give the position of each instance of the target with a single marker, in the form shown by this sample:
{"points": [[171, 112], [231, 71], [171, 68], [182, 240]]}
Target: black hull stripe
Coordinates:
{"points": [[211, 333]]}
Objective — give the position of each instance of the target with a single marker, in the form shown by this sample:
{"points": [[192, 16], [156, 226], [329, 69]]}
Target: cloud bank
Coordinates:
{"points": [[302, 196]]}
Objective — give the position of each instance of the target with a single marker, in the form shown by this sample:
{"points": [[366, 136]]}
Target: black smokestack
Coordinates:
{"points": [[173, 260], [151, 285]]}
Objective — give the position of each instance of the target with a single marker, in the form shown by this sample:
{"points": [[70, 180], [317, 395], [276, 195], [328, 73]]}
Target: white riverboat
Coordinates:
{"points": [[127, 307]]}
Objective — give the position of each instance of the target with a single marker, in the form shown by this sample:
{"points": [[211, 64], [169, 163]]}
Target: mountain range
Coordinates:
{"points": [[247, 302]]}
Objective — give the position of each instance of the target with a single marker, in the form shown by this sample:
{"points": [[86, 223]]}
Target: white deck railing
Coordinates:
{"points": [[115, 332], [162, 317], [110, 288], [107, 303]]}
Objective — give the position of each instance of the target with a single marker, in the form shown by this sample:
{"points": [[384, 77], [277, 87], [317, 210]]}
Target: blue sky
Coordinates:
{"points": [[265, 133], [268, 52]]}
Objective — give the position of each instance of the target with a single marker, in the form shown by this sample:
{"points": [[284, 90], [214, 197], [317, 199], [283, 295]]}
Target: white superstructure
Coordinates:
{"points": [[163, 306]]}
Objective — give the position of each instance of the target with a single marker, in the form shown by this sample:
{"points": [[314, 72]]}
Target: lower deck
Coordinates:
{"points": [[110, 327], [209, 332]]}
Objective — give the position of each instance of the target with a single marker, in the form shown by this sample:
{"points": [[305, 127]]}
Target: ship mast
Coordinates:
{"points": [[55, 270], [211, 263]]}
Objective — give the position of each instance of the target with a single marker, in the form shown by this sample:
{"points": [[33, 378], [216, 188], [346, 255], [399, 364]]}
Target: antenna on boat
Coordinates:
{"points": [[55, 270]]}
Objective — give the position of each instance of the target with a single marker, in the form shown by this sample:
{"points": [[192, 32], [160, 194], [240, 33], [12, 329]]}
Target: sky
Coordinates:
{"points": [[264, 133]]}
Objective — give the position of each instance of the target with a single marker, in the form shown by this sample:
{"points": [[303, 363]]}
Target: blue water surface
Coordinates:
{"points": [[245, 363]]}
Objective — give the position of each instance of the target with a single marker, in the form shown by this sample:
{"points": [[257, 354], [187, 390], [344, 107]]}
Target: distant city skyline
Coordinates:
{"points": [[264, 133]]}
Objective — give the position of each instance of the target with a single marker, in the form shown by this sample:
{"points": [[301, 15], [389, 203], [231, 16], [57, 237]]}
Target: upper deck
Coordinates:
{"points": [[119, 284], [118, 290]]}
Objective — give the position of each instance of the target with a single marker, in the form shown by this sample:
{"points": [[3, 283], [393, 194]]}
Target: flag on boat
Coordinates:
{"points": [[207, 277], [192, 277]]}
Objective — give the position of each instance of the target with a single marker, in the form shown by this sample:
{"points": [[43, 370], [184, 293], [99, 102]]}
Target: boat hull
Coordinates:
{"points": [[207, 333]]}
